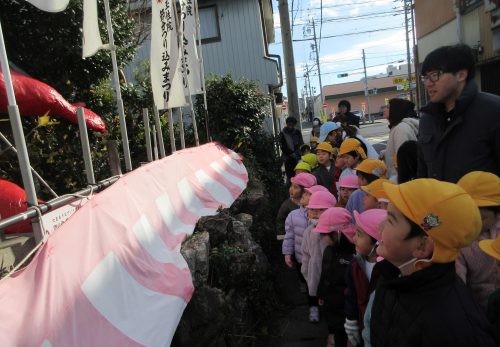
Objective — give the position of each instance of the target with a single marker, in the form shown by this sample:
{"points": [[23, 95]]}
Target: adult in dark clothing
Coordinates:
{"points": [[460, 128], [427, 304], [290, 142], [407, 161], [345, 116]]}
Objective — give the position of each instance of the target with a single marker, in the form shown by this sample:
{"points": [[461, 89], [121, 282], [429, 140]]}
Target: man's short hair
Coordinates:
{"points": [[451, 59], [345, 103], [291, 120]]}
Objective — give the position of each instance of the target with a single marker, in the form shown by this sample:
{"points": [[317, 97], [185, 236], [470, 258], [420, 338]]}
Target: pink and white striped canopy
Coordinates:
{"points": [[113, 275]]}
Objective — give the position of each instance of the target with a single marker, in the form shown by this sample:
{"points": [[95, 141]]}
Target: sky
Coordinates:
{"points": [[377, 26]]}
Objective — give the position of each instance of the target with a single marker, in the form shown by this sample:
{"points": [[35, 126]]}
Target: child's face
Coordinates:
{"points": [[340, 163], [300, 170], [323, 157], [383, 205], [345, 193], [363, 242], [369, 202], [350, 161], [488, 218], [315, 213], [313, 145], [362, 181], [304, 200], [393, 245], [332, 136], [295, 191]]}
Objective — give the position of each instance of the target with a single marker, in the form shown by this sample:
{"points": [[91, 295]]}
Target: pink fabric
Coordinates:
{"points": [[321, 199], [316, 188], [304, 179], [349, 181], [370, 220], [113, 275], [333, 219]]}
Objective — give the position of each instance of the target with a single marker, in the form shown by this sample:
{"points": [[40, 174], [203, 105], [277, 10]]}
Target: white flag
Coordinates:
{"points": [[192, 63], [166, 76], [91, 36], [50, 5]]}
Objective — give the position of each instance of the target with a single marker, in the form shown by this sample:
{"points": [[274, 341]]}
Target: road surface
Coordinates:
{"points": [[376, 133]]}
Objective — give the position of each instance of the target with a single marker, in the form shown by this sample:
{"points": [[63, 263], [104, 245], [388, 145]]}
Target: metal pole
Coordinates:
{"points": [[317, 63], [17, 132], [84, 139], [119, 101], [155, 143], [42, 181], [367, 95], [171, 130], [415, 57], [291, 80], [181, 129], [147, 134], [159, 133], [200, 54], [195, 127], [408, 58]]}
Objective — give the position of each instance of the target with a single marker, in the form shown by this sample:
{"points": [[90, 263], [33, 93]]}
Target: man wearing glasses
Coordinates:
{"points": [[460, 127]]}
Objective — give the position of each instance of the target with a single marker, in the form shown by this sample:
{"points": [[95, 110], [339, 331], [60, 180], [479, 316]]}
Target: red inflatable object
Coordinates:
{"points": [[35, 98], [13, 201]]}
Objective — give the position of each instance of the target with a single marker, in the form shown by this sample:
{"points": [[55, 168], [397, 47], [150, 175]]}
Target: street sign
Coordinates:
{"points": [[402, 80], [325, 105], [283, 107]]}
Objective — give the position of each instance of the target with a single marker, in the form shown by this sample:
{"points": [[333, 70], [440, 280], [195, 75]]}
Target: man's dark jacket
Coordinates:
{"points": [[429, 308], [470, 142]]}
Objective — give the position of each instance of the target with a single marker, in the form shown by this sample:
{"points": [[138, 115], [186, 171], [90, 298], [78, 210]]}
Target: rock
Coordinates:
{"points": [[252, 201], [196, 251], [246, 219], [217, 226], [241, 264], [242, 237], [205, 319]]}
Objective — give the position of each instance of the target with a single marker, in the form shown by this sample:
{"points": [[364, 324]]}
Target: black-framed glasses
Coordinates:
{"points": [[432, 76]]}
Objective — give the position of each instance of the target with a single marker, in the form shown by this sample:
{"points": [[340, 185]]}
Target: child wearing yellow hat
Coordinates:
{"points": [[492, 248], [375, 196], [314, 143], [425, 303], [478, 270], [325, 171], [302, 167], [367, 171], [353, 153]]}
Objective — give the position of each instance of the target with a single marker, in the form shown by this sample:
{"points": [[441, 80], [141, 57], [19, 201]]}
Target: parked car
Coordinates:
{"points": [[360, 115]]}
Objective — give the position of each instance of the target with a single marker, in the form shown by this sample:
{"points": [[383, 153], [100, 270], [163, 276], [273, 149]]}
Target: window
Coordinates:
{"points": [[209, 24]]}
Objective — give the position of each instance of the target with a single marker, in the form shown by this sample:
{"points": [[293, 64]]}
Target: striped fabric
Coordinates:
{"points": [[113, 275]]}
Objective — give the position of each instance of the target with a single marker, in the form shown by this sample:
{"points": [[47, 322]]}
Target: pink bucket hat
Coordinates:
{"points": [[321, 200], [315, 189], [349, 181], [336, 219], [369, 221], [304, 179]]}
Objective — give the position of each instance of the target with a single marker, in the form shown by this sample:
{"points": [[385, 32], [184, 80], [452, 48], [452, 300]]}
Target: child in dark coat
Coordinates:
{"points": [[336, 231]]}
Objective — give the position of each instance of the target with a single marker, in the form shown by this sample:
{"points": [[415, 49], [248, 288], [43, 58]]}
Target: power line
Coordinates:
{"points": [[341, 5], [350, 34]]}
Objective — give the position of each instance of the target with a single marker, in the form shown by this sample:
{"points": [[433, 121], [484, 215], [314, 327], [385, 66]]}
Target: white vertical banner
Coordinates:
{"points": [[50, 5], [192, 63], [166, 76], [91, 36]]}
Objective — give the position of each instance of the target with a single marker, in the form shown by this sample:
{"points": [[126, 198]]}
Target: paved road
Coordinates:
{"points": [[376, 133]]}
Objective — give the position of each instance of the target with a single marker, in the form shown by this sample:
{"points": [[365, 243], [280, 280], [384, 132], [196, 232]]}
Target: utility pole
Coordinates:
{"points": [[367, 95], [317, 63], [408, 50], [291, 79], [415, 56]]}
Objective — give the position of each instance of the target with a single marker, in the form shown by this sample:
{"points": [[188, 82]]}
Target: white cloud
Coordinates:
{"points": [[277, 21], [354, 11]]}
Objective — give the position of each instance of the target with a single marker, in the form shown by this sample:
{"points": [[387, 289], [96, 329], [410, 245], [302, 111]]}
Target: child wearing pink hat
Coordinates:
{"points": [[295, 224], [360, 281], [337, 232], [347, 185], [298, 183], [312, 249]]}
